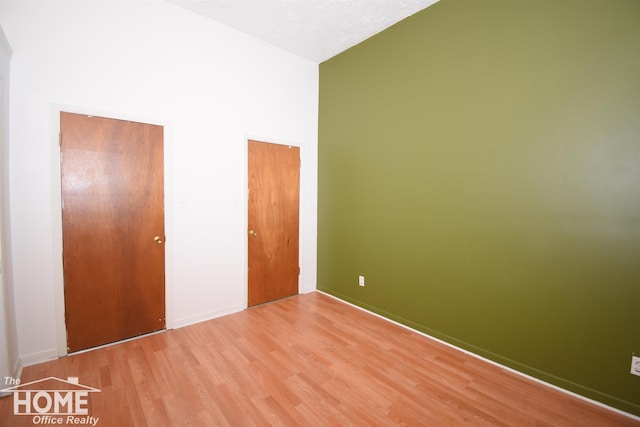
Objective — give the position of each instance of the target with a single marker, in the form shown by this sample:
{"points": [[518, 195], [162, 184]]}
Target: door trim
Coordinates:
{"points": [[245, 208], [56, 213]]}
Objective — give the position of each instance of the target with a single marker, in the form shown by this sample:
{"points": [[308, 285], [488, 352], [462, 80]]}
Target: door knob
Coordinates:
{"points": [[253, 233], [157, 239]]}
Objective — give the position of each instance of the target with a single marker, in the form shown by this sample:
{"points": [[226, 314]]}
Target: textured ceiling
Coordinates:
{"points": [[313, 29]]}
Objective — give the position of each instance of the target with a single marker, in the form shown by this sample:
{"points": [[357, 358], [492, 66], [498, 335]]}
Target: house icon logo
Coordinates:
{"points": [[53, 400]]}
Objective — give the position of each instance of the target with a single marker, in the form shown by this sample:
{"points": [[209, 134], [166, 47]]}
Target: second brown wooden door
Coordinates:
{"points": [[274, 195], [113, 229]]}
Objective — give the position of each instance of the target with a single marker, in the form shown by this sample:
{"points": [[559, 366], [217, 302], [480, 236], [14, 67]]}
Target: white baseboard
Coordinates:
{"points": [[35, 358], [203, 317], [492, 362]]}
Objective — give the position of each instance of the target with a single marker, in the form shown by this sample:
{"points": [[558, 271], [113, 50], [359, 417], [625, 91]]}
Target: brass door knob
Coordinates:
{"points": [[157, 239], [253, 233]]}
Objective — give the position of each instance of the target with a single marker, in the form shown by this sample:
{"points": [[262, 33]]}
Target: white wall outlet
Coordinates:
{"points": [[361, 280], [635, 365]]}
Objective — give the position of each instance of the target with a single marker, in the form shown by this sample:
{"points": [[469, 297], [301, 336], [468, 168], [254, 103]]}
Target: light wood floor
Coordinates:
{"points": [[305, 361]]}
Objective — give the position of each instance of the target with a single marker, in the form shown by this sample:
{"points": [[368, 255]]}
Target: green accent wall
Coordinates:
{"points": [[479, 164]]}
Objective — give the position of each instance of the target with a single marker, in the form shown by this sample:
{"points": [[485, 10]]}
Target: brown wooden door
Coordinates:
{"points": [[274, 195], [113, 229]]}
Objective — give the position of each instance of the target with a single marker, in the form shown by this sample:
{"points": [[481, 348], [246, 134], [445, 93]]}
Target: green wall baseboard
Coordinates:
{"points": [[593, 396]]}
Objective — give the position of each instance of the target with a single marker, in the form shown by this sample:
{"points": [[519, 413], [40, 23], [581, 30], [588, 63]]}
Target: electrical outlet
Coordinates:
{"points": [[361, 280], [635, 365]]}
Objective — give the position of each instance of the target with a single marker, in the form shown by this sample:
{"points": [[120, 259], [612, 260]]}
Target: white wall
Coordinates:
{"points": [[210, 86]]}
